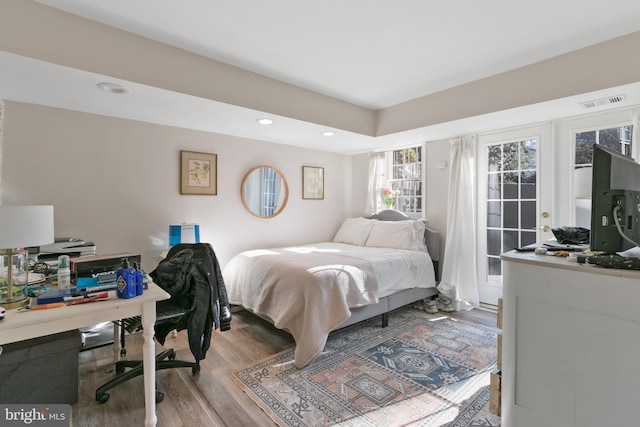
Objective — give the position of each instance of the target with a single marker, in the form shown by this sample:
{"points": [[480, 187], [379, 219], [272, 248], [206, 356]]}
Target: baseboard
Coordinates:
{"points": [[488, 307]]}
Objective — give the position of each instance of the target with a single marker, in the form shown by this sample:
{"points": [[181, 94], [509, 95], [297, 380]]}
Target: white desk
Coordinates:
{"points": [[570, 343], [18, 326]]}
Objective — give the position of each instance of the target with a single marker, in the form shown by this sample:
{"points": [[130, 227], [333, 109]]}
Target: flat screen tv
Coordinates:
{"points": [[615, 202]]}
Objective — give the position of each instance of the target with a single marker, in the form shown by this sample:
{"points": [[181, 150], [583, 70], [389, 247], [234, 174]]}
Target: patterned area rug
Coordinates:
{"points": [[422, 370]]}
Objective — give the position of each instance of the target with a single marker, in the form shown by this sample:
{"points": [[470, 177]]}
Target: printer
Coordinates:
{"points": [[72, 246]]}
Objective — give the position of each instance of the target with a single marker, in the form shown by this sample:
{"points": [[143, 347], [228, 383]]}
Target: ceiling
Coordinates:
{"points": [[372, 53]]}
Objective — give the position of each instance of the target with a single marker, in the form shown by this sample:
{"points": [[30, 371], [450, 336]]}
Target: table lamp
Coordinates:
{"points": [[20, 227]]}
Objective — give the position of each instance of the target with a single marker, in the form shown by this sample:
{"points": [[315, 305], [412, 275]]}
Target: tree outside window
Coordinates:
{"points": [[618, 139]]}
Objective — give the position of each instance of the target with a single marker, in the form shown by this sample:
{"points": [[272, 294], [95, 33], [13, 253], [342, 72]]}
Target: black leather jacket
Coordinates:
{"points": [[190, 273]]}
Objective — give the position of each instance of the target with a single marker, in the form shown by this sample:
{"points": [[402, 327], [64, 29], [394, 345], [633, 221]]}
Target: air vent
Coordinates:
{"points": [[603, 101]]}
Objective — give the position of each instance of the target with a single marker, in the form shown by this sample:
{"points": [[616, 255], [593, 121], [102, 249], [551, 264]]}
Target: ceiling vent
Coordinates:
{"points": [[603, 101]]}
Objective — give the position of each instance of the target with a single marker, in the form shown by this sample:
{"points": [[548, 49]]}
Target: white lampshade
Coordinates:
{"points": [[25, 226]]}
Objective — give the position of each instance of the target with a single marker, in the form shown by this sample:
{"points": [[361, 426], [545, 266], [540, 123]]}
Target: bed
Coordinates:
{"points": [[372, 266]]}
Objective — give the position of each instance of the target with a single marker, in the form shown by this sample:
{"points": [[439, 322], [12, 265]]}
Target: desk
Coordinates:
{"points": [[570, 343], [18, 326]]}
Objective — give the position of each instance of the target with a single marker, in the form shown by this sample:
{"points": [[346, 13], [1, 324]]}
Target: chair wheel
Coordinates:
{"points": [[123, 352], [159, 396], [195, 369], [102, 398]]}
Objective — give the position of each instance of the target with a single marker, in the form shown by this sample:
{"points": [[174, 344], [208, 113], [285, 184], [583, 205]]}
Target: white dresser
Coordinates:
{"points": [[571, 344]]}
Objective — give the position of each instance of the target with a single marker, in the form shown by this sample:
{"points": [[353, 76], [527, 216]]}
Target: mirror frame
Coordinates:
{"points": [[286, 191]]}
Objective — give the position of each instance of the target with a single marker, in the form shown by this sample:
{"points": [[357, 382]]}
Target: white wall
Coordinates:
{"points": [[116, 182], [437, 186]]}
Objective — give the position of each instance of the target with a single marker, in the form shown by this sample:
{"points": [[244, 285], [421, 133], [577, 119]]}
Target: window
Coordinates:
{"points": [[617, 138], [405, 179]]}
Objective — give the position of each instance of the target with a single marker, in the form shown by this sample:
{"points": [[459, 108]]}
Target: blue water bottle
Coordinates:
{"points": [[126, 281], [139, 278]]}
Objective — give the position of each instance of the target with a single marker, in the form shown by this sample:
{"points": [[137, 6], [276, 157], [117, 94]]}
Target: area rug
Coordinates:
{"points": [[422, 370]]}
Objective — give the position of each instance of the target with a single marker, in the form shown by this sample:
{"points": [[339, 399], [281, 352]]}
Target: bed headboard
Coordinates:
{"points": [[431, 236]]}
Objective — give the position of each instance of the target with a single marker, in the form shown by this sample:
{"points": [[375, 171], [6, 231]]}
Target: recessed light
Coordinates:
{"points": [[112, 88], [265, 121], [328, 133]]}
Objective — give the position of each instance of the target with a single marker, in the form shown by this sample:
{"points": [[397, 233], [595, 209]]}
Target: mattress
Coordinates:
{"points": [[394, 269]]}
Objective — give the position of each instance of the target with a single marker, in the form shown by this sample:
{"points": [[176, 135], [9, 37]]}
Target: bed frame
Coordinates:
{"points": [[402, 298]]}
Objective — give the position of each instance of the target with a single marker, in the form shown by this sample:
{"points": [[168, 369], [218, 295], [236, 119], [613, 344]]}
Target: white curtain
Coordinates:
{"points": [[459, 276], [376, 163]]}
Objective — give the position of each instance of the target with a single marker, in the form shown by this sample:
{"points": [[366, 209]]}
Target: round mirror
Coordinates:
{"points": [[264, 191]]}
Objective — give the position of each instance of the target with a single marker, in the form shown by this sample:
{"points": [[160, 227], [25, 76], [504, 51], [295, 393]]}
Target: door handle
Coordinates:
{"points": [[545, 228]]}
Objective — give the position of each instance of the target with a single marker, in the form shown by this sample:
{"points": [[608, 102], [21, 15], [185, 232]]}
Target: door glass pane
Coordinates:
{"points": [[495, 158], [528, 181], [510, 185], [509, 240], [494, 214], [510, 214], [528, 215], [528, 154], [510, 156], [527, 238], [618, 139], [584, 147], [610, 138], [494, 246], [494, 186], [494, 271]]}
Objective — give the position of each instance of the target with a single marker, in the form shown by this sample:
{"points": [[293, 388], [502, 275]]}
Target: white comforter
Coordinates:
{"points": [[308, 290]]}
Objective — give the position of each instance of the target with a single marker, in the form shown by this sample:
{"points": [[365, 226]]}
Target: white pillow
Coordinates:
{"points": [[398, 234], [354, 231]]}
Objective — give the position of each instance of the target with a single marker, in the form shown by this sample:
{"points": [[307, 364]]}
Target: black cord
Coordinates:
{"points": [[40, 268], [616, 212]]}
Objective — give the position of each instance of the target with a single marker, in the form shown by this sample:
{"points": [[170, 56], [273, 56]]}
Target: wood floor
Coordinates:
{"points": [[209, 398]]}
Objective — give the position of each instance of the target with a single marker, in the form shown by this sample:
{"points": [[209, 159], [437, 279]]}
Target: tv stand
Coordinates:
{"points": [[570, 343]]}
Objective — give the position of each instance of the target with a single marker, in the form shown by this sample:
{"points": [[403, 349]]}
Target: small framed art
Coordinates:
{"points": [[198, 173], [312, 182]]}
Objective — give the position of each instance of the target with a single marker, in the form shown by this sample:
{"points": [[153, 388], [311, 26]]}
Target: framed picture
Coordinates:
{"points": [[198, 173], [312, 182]]}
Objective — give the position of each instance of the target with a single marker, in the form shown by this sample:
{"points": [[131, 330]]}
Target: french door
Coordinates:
{"points": [[515, 172]]}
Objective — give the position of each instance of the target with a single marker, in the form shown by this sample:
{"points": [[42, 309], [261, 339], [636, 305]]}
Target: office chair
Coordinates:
{"points": [[167, 313], [190, 273]]}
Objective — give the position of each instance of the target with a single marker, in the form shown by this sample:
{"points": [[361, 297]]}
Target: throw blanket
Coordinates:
{"points": [[304, 290]]}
